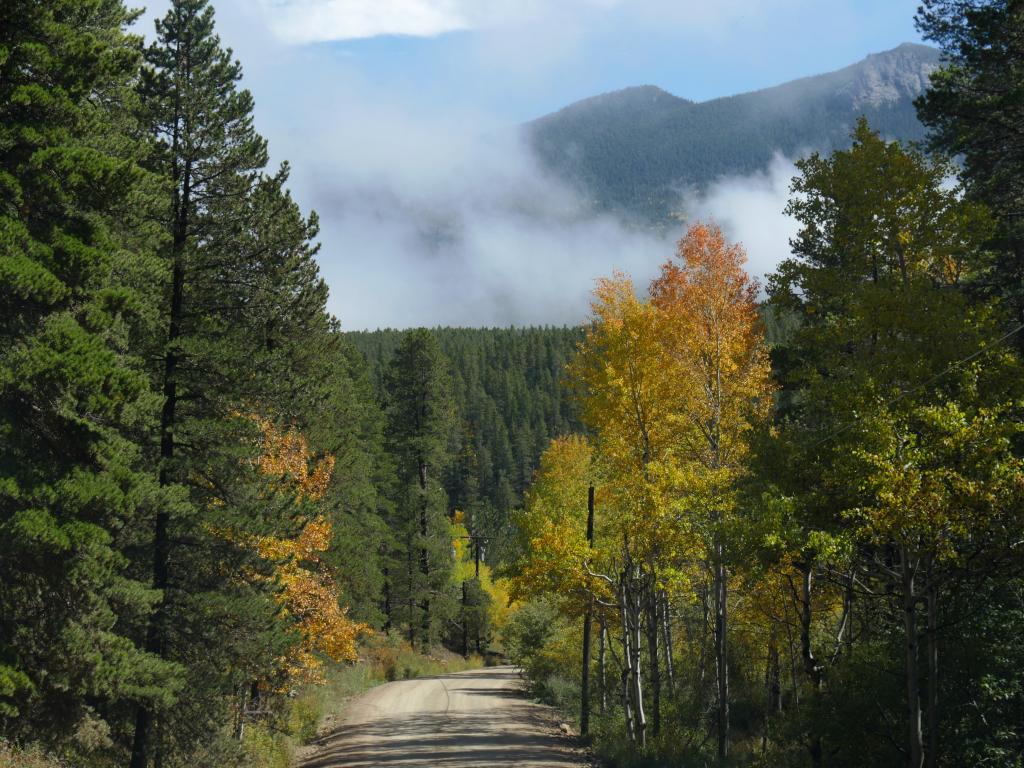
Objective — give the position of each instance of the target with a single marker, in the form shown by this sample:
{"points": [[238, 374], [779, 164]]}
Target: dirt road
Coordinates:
{"points": [[465, 719]]}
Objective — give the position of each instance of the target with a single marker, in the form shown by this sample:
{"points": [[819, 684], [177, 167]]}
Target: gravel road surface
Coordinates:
{"points": [[465, 719]]}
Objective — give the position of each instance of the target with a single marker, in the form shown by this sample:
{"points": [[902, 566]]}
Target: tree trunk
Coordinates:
{"points": [[702, 668], [848, 600], [932, 755], [630, 606], [239, 729], [637, 668], [721, 649], [602, 665], [410, 599], [168, 421], [666, 644], [465, 622], [587, 621], [772, 687], [915, 745], [794, 686], [627, 660], [424, 556], [652, 653], [585, 679], [387, 601], [811, 667]]}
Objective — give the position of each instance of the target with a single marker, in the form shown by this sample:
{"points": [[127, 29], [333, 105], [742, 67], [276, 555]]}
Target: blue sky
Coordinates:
{"points": [[617, 47], [399, 114]]}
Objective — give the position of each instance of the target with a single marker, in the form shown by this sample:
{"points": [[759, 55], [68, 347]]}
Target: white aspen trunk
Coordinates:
{"points": [[915, 743]]}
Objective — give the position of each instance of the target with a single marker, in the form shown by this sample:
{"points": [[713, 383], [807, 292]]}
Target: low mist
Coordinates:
{"points": [[438, 214]]}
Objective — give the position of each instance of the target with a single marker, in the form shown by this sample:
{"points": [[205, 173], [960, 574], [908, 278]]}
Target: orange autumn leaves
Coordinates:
{"points": [[712, 339], [307, 594], [286, 456]]}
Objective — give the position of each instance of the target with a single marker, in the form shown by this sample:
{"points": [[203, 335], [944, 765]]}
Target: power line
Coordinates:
{"points": [[906, 393]]}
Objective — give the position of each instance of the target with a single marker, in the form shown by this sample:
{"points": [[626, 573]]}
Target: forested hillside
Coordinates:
{"points": [[509, 389], [637, 151]]}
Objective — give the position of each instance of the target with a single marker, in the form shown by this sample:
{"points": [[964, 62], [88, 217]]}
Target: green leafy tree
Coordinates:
{"points": [[889, 435]]}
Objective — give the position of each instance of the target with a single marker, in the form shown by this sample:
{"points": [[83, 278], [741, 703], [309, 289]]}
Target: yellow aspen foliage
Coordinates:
{"points": [[554, 554], [624, 388], [465, 569]]}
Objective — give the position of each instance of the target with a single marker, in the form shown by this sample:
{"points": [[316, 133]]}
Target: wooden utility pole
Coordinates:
{"points": [[587, 620], [465, 619], [476, 570]]}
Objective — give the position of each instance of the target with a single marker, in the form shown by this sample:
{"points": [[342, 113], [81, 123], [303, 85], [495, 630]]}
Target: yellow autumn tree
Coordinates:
{"points": [[625, 394], [670, 388], [712, 350]]}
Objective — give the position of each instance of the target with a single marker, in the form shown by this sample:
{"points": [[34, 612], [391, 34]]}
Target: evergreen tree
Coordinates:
{"points": [[244, 333], [72, 390], [507, 385], [975, 108], [420, 432], [349, 425]]}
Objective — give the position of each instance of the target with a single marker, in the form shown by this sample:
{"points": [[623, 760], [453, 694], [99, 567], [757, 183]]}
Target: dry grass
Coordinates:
{"points": [[30, 757]]}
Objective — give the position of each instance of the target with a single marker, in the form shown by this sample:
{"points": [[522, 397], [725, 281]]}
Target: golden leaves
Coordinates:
{"points": [[309, 597], [713, 348], [285, 455]]}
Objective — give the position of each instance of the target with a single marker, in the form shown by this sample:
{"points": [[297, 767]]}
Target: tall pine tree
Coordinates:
{"points": [[420, 426], [72, 391], [244, 330], [974, 108]]}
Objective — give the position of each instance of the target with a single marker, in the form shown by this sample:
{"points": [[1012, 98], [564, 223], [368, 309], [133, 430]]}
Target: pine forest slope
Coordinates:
{"points": [[509, 395], [636, 150]]}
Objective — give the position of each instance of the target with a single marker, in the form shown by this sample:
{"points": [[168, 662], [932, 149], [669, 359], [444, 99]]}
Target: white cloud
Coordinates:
{"points": [[439, 214], [750, 210], [446, 218], [441, 218], [306, 21]]}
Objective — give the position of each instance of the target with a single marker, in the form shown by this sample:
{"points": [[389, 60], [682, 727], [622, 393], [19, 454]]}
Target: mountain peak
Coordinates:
{"points": [[646, 98], [889, 76], [636, 151]]}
